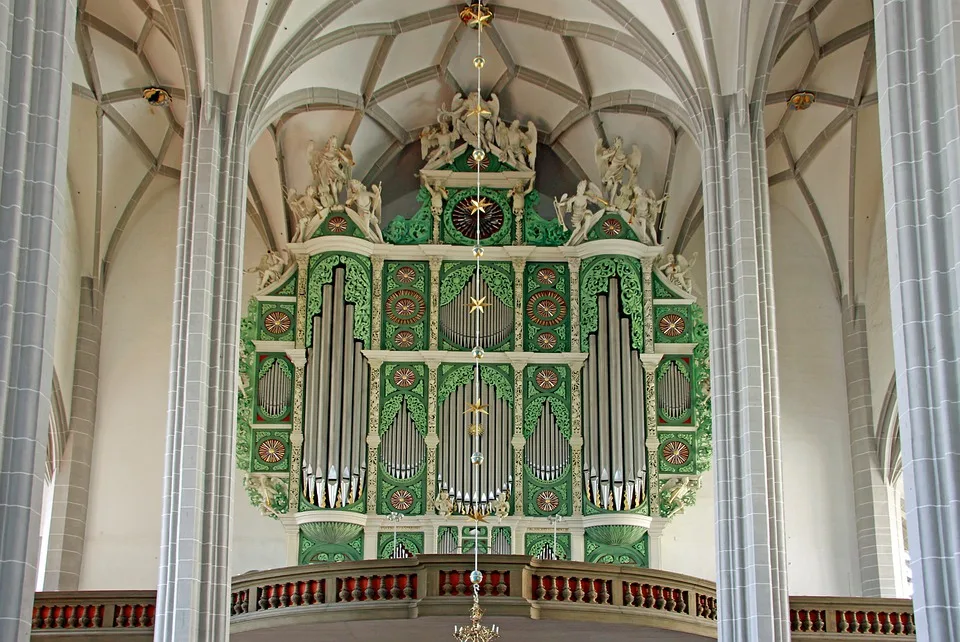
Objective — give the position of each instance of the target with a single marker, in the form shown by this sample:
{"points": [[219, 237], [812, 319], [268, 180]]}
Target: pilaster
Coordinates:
{"points": [[871, 496], [574, 264], [373, 438], [35, 115], [68, 522], [376, 302], [435, 263], [918, 66], [432, 440], [649, 362]]}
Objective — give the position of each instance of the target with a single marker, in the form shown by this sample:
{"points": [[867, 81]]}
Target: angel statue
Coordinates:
{"points": [[443, 503], [440, 139], [582, 218], [530, 141], [472, 118], [519, 193], [271, 267], [332, 167], [368, 204], [612, 161], [680, 489], [648, 208], [677, 269], [437, 194]]}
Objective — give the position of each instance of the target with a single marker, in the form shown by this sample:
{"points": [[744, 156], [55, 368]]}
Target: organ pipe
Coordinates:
{"points": [[614, 465], [496, 324], [402, 450], [547, 452], [454, 468], [335, 416]]}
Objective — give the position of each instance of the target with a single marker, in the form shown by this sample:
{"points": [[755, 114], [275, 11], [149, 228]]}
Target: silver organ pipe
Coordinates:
{"points": [[547, 452], [614, 462], [335, 417], [496, 323], [673, 391], [447, 544], [454, 468], [402, 450], [273, 390], [500, 544]]}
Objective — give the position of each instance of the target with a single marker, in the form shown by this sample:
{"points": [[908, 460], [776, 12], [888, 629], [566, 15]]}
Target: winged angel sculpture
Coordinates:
{"points": [[620, 192], [476, 122], [332, 170]]}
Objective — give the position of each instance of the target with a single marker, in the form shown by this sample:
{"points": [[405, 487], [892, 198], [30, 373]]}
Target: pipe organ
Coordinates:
{"points": [[356, 377], [335, 417], [614, 460]]}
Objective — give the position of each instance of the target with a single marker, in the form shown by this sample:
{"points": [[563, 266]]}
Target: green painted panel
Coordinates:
{"points": [[616, 544], [413, 542], [330, 542], [546, 296], [534, 543]]}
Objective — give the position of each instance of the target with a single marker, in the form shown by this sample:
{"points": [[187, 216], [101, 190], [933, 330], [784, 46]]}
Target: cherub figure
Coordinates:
{"points": [[501, 505], [443, 503], [368, 204], [271, 267], [677, 269], [441, 140], [519, 193]]}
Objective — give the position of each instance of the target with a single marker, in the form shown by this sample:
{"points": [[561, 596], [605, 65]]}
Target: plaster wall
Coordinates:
{"points": [[123, 524], [68, 306], [879, 323], [817, 478]]}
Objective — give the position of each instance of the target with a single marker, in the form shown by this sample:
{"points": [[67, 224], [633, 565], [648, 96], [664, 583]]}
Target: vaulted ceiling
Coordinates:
{"points": [[374, 72]]}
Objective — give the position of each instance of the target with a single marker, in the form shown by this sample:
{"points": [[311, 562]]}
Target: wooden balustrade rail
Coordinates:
{"points": [[439, 584]]}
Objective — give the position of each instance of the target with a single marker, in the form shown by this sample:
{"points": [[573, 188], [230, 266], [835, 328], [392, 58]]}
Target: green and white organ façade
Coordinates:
{"points": [[356, 372]]}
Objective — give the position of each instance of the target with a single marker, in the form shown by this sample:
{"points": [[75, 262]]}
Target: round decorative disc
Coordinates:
{"points": [[484, 164], [337, 225], [404, 339], [405, 275], [546, 308], [401, 499], [612, 227], [676, 452], [272, 451], [276, 322], [465, 221], [546, 276], [672, 325], [404, 307], [547, 501], [404, 377], [547, 379], [547, 340]]}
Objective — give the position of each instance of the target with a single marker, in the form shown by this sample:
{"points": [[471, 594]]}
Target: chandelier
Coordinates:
{"points": [[477, 16]]}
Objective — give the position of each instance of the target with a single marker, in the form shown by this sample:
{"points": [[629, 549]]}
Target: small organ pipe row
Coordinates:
{"points": [[273, 391], [335, 417], [547, 452], [402, 450], [614, 461], [454, 472], [673, 391], [496, 322]]}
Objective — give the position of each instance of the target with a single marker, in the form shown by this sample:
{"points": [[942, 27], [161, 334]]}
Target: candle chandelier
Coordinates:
{"points": [[477, 16]]}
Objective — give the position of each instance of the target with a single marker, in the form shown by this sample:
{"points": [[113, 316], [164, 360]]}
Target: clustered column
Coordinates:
{"points": [[194, 584], [918, 66], [35, 55], [751, 559]]}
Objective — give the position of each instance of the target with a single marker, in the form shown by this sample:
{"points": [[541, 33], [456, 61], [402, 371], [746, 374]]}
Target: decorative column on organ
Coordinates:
{"points": [[435, 263], [576, 399], [432, 440], [376, 302], [373, 434], [298, 357], [518, 442]]}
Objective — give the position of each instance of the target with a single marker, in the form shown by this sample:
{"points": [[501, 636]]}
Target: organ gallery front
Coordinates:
{"points": [[357, 402]]}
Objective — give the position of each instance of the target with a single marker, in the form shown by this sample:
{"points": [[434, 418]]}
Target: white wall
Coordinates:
{"points": [[876, 301], [68, 306], [123, 524], [818, 491]]}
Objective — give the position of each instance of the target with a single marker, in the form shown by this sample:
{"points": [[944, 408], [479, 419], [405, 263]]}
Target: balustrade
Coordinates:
{"points": [[546, 587]]}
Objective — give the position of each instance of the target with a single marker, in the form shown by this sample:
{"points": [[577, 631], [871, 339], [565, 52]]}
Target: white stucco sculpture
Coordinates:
{"points": [[582, 218], [271, 267], [368, 205]]}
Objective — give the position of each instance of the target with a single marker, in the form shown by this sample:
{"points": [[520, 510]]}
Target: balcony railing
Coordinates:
{"points": [[437, 585]]}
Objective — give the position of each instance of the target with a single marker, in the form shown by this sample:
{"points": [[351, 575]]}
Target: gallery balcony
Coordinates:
{"points": [[423, 598]]}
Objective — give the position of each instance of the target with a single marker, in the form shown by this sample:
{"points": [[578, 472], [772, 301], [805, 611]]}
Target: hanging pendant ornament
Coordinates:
{"points": [[476, 15]]}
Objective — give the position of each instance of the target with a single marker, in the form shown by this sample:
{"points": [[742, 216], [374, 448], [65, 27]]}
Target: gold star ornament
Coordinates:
{"points": [[478, 305], [478, 206], [476, 16], [477, 407]]}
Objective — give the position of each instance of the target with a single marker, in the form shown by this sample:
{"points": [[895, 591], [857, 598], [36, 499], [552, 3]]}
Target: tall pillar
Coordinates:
{"points": [[68, 521], [751, 557], [194, 586], [35, 43], [918, 44], [871, 496]]}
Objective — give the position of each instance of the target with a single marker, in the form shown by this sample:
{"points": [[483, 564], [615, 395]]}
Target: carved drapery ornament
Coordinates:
{"points": [[373, 436]]}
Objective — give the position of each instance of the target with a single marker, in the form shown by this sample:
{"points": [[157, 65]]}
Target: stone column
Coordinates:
{"points": [[35, 58], [194, 584], [751, 551], [871, 496], [917, 71], [68, 521]]}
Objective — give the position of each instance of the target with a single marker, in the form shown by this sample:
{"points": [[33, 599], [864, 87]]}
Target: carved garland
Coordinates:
{"points": [[357, 290], [595, 279]]}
